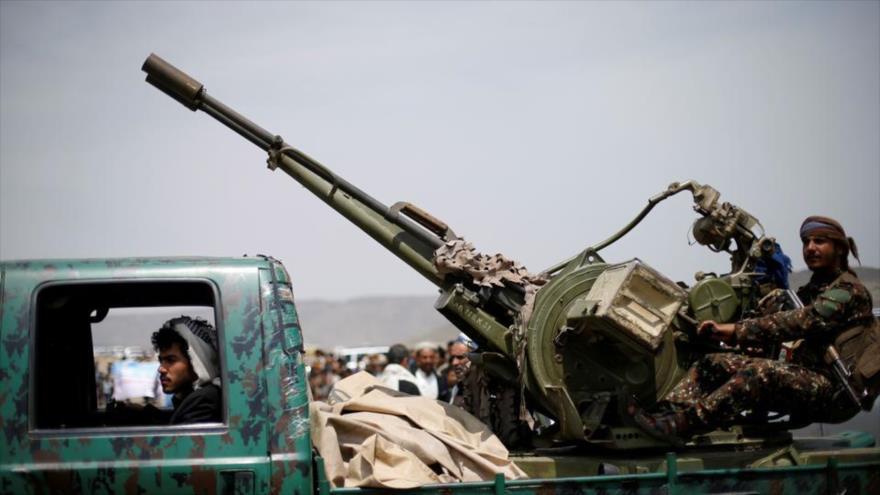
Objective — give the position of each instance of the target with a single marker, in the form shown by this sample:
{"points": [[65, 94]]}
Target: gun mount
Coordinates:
{"points": [[567, 343]]}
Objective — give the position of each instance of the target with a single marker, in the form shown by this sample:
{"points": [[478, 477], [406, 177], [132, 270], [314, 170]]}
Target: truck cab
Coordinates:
{"points": [[64, 428]]}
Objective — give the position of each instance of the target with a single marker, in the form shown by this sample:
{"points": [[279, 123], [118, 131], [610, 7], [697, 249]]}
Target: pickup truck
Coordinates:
{"points": [[58, 437]]}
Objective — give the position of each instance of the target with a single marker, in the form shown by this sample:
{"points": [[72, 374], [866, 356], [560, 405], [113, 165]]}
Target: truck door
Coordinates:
{"points": [[97, 419]]}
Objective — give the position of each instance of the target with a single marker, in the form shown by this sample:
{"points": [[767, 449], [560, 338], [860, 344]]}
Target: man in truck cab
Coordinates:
{"points": [[189, 368], [837, 315]]}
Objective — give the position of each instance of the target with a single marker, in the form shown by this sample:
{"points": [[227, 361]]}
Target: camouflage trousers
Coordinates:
{"points": [[720, 387]]}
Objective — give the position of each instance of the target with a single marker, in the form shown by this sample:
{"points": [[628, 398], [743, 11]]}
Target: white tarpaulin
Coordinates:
{"points": [[372, 436]]}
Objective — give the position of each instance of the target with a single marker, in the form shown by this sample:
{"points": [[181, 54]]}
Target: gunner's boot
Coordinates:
{"points": [[671, 425]]}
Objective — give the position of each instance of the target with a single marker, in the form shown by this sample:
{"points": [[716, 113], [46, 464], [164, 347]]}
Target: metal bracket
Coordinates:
{"points": [[275, 151]]}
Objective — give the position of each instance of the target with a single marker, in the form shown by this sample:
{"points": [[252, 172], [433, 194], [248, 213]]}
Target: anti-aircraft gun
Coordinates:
{"points": [[570, 343]]}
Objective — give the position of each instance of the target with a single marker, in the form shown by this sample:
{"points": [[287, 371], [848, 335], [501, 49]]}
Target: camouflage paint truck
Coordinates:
{"points": [[57, 439]]}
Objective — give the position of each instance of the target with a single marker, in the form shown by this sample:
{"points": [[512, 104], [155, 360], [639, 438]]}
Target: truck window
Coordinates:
{"points": [[94, 365]]}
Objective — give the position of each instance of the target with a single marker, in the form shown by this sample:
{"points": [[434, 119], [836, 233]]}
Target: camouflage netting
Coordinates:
{"points": [[459, 257]]}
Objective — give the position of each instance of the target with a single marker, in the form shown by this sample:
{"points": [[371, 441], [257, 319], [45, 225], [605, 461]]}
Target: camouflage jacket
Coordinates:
{"points": [[832, 305]]}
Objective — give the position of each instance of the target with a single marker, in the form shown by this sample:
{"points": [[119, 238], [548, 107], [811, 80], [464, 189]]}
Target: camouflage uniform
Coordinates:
{"points": [[721, 386]]}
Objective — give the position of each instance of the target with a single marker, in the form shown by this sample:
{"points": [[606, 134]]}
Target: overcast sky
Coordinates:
{"points": [[533, 129]]}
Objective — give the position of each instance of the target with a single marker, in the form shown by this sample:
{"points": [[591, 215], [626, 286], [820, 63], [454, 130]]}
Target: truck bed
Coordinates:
{"points": [[833, 476]]}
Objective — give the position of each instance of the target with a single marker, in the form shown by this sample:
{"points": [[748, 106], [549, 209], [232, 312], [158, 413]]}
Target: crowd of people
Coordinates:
{"points": [[426, 369]]}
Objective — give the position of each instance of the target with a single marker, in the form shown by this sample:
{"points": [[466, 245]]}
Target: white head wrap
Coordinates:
{"points": [[425, 345], [202, 340]]}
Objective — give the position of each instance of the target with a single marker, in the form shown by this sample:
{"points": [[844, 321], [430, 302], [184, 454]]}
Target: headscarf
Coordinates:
{"points": [[830, 228], [201, 338]]}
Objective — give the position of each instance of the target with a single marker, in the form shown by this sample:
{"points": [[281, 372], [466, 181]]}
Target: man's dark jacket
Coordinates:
{"points": [[199, 406]]}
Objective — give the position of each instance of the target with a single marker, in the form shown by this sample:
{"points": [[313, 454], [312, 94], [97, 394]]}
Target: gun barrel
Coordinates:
{"points": [[413, 243], [173, 82]]}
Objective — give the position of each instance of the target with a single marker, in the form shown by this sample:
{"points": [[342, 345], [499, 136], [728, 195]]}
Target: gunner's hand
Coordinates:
{"points": [[724, 332]]}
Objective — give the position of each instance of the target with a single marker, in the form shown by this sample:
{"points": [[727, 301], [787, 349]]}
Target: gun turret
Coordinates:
{"points": [[569, 343]]}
